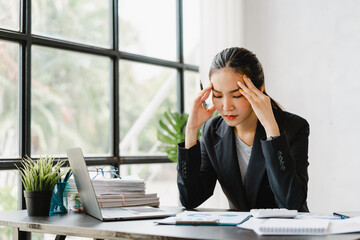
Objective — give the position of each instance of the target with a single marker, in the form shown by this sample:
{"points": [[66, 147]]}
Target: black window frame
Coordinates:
{"points": [[26, 40]]}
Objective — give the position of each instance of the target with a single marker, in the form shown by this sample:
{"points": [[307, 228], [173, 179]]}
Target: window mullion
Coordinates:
{"points": [[180, 55], [115, 84]]}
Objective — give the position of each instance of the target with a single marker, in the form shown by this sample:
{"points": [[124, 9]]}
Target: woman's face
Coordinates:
{"points": [[227, 99]]}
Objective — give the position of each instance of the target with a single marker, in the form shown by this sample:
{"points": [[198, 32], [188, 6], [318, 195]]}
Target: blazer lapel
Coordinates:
{"points": [[256, 167], [227, 163]]}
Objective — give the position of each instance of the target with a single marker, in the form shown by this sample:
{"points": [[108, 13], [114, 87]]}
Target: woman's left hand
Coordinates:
{"points": [[261, 104]]}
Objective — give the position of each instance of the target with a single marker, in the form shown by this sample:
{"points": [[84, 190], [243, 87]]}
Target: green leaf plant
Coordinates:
{"points": [[40, 175], [171, 131]]}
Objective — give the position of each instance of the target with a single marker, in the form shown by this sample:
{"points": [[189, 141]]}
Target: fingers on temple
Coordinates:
{"points": [[248, 93], [251, 85], [206, 91], [248, 83], [243, 88]]}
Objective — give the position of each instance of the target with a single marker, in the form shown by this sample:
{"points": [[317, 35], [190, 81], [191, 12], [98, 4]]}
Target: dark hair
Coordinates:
{"points": [[242, 61]]}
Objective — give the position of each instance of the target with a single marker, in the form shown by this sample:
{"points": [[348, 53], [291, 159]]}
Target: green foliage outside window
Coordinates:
{"points": [[171, 131], [8, 202]]}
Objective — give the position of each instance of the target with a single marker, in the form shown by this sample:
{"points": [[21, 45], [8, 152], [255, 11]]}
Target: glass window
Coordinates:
{"points": [[71, 90], [159, 178], [70, 99], [148, 28], [85, 21], [191, 30], [8, 197], [145, 92], [191, 88], [10, 14], [9, 86]]}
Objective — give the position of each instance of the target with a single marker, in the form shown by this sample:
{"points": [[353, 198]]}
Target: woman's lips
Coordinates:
{"points": [[230, 117]]}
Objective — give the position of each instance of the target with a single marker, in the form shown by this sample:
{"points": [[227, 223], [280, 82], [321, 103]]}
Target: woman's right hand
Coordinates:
{"points": [[198, 116]]}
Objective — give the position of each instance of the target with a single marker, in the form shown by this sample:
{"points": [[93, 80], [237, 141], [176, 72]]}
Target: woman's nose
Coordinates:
{"points": [[228, 104]]}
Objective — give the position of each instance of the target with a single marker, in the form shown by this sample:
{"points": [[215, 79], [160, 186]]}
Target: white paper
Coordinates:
{"points": [[223, 218]]}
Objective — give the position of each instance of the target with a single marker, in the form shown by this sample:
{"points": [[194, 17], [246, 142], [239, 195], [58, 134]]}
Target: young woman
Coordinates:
{"points": [[257, 151]]}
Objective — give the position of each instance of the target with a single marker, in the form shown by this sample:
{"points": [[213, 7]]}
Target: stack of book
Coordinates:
{"points": [[117, 192]]}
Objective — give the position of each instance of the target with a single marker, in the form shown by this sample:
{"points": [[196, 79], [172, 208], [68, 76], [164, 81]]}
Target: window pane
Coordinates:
{"points": [[159, 178], [146, 92], [9, 122], [70, 102], [148, 28], [85, 21], [9, 14], [8, 198], [191, 12], [191, 88]]}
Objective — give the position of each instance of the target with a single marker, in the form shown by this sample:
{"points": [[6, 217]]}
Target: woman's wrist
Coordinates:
{"points": [[272, 130], [191, 137]]}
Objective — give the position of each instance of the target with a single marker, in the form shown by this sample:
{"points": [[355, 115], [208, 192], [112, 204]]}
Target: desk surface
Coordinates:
{"points": [[82, 225]]}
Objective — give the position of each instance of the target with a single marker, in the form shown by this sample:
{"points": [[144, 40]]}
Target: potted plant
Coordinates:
{"points": [[171, 131], [39, 178]]}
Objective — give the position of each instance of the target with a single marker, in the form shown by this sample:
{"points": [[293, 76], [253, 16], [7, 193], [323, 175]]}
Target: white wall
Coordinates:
{"points": [[310, 53]]}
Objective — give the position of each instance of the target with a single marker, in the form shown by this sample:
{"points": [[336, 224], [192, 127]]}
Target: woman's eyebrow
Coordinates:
{"points": [[235, 90], [232, 91]]}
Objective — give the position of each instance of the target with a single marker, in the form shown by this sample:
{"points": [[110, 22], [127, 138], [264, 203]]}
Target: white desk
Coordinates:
{"points": [[82, 225]]}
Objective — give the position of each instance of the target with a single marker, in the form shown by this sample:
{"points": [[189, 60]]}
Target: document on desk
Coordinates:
{"points": [[206, 218], [302, 226]]}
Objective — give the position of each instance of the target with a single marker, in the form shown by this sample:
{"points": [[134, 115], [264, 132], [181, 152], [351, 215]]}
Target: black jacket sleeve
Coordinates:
{"points": [[286, 160], [196, 177]]}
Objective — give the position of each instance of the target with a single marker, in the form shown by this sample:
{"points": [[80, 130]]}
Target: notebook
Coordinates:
{"points": [[276, 226], [90, 202], [303, 224]]}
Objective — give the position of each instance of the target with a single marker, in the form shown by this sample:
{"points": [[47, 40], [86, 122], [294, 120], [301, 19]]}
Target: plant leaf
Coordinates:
{"points": [[171, 131], [40, 175], [166, 139], [166, 128]]}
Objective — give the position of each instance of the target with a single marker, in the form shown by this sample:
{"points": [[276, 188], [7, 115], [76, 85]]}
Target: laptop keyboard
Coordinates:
{"points": [[113, 212]]}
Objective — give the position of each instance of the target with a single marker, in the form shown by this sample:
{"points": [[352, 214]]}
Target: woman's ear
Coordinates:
{"points": [[262, 88]]}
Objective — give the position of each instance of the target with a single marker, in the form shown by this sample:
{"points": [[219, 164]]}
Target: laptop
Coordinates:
{"points": [[90, 202]]}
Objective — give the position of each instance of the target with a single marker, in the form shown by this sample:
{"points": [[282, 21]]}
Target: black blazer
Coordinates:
{"points": [[277, 173]]}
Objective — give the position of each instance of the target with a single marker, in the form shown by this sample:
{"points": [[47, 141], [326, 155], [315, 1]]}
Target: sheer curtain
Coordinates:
{"points": [[222, 26]]}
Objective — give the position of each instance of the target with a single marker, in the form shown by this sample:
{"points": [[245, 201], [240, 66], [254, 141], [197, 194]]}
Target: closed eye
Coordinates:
{"points": [[237, 96], [217, 96]]}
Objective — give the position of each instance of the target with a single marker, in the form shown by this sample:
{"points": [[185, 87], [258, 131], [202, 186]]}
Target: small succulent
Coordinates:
{"points": [[40, 175]]}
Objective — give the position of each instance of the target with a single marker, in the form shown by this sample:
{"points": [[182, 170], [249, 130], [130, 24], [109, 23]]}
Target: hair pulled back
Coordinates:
{"points": [[242, 61]]}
